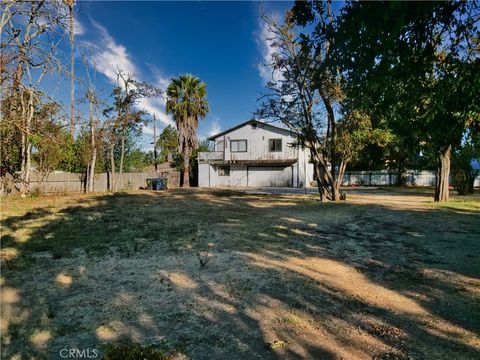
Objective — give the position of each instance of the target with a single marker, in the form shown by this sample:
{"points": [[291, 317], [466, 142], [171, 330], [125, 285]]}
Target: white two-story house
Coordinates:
{"points": [[254, 154]]}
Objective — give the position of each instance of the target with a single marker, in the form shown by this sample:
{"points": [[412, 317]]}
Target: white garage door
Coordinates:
{"points": [[270, 176]]}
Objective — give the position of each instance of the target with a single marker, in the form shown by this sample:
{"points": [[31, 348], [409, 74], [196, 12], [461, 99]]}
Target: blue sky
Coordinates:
{"points": [[223, 43]]}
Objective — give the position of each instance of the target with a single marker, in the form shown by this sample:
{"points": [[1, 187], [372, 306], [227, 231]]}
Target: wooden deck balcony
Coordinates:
{"points": [[211, 156]]}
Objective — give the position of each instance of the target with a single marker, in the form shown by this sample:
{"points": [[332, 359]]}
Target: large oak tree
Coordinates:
{"points": [[417, 67]]}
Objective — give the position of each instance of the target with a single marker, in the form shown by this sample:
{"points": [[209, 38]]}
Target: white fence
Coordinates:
{"points": [[385, 178]]}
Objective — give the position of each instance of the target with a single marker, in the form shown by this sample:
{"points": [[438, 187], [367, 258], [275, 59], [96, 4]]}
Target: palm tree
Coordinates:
{"points": [[186, 101]]}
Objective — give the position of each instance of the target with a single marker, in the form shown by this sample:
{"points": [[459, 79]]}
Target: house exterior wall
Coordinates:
{"points": [[208, 176], [244, 176], [257, 143], [288, 167], [271, 176], [204, 175]]}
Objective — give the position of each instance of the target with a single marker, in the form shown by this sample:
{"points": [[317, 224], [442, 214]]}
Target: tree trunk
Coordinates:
{"points": [[339, 178], [122, 155], [87, 177], [471, 180], [320, 185], [401, 172], [325, 180], [28, 127], [72, 71], [23, 162], [92, 169], [186, 176], [155, 155], [335, 192], [112, 165], [93, 145], [26, 146], [24, 138], [443, 172], [331, 146]]}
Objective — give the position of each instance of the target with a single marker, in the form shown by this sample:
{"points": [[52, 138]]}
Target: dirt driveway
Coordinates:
{"points": [[228, 275]]}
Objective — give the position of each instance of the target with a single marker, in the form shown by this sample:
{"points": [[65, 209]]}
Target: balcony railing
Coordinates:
{"points": [[211, 156]]}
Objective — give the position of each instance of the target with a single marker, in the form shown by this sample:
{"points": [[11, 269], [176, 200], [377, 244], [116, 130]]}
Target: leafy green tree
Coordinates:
{"points": [[414, 66], [11, 136], [186, 101], [137, 160], [167, 143], [50, 141], [178, 161], [202, 147], [130, 145], [354, 134]]}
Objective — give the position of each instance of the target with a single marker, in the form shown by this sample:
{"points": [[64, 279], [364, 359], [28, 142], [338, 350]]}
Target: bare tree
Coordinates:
{"points": [[293, 99], [93, 103], [128, 117], [305, 95], [31, 34], [71, 17]]}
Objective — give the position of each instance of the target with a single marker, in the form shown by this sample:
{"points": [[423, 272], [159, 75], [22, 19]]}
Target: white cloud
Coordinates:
{"points": [[265, 39], [154, 108], [78, 28], [111, 56], [147, 130], [152, 105], [160, 80], [215, 128]]}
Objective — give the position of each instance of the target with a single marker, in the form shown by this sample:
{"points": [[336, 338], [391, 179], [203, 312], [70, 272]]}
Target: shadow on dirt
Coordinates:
{"points": [[287, 277]]}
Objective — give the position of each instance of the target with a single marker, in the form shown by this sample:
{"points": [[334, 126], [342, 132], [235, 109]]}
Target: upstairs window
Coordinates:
{"points": [[238, 145], [275, 145]]}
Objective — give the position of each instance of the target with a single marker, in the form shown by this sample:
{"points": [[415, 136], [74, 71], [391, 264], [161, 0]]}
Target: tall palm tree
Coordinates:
{"points": [[186, 101]]}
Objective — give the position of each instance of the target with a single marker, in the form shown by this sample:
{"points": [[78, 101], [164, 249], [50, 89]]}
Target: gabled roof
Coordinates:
{"points": [[213, 137]]}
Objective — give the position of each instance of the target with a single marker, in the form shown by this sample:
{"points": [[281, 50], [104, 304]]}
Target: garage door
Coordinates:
{"points": [[270, 176]]}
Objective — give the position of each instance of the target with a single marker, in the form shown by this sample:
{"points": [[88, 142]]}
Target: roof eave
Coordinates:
{"points": [[213, 137]]}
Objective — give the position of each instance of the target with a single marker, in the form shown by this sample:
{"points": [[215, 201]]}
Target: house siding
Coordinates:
{"points": [[292, 161], [257, 144]]}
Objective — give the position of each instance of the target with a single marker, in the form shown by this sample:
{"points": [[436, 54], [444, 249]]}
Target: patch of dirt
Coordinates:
{"points": [[220, 274]]}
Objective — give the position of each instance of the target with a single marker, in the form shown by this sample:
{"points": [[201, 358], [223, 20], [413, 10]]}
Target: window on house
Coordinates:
{"points": [[238, 145], [274, 145], [224, 171]]}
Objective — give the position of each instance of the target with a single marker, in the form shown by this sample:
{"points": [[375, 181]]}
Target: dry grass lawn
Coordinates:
{"points": [[226, 275]]}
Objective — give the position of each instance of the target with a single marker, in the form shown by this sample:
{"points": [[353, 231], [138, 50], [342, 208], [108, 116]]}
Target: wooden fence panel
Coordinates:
{"points": [[63, 182]]}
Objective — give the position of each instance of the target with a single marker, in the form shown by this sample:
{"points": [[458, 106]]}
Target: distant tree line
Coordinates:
{"points": [[38, 132]]}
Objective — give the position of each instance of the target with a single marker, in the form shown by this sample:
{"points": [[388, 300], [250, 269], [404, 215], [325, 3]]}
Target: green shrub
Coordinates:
{"points": [[36, 192]]}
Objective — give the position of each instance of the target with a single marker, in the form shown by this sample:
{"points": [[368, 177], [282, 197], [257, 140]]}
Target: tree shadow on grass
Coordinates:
{"points": [[288, 278]]}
